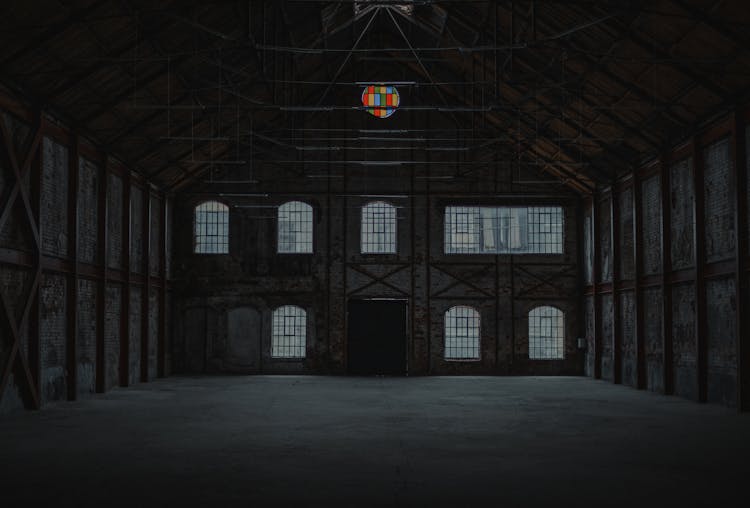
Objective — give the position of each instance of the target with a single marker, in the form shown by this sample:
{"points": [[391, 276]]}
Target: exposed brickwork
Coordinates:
{"points": [[155, 247], [607, 331], [625, 243], [684, 342], [170, 238], [253, 275], [719, 202], [651, 214], [654, 338], [113, 305], [86, 339], [114, 221], [588, 248], [88, 182], [136, 229], [605, 244], [628, 359], [589, 320], [168, 336], [153, 331], [134, 349], [722, 340], [682, 197], [15, 233], [54, 209], [52, 334]]}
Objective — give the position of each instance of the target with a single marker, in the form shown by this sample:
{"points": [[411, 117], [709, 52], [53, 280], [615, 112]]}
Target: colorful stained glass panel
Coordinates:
{"points": [[380, 100]]}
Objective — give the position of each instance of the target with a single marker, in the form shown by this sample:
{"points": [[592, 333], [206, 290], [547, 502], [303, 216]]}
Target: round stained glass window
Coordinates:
{"points": [[380, 100]]}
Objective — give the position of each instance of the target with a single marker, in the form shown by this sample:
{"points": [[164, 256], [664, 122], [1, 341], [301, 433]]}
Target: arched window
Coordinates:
{"points": [[295, 228], [211, 228], [546, 333], [378, 228], [289, 332], [462, 333]]}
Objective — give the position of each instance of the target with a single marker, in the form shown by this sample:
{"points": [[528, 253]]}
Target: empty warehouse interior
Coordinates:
{"points": [[374, 253]]}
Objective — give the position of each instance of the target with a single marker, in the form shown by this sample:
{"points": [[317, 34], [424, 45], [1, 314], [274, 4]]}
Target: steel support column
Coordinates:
{"points": [[146, 270], [614, 247], [640, 340], [739, 157], [595, 239], [72, 293], [125, 265], [161, 344], [699, 255], [666, 262], [101, 287]]}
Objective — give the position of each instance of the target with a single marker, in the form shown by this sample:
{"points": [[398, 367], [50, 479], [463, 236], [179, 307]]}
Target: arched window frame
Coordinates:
{"points": [[211, 228], [462, 330], [289, 332], [546, 333], [294, 225], [379, 228]]}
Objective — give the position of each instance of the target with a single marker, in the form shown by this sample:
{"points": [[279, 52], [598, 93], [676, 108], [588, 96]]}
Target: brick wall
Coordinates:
{"points": [[253, 274], [682, 198], [684, 341], [114, 221], [629, 368], [625, 245], [722, 340], [605, 244], [651, 213], [134, 343], [88, 186], [112, 306], [155, 231], [654, 338], [54, 210], [607, 330], [136, 229], [86, 339], [153, 331], [719, 202], [52, 333], [590, 335]]}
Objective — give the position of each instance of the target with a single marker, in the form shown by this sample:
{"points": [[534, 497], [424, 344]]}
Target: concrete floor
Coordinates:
{"points": [[354, 442]]}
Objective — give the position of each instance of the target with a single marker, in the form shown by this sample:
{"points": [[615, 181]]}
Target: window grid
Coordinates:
{"points": [[289, 332], [295, 223], [503, 230], [545, 230], [546, 334], [211, 228], [378, 228], [461, 333]]}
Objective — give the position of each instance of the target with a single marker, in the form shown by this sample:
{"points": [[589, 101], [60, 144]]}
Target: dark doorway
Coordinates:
{"points": [[377, 337]]}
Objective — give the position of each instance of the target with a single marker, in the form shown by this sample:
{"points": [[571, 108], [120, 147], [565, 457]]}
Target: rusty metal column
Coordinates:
{"points": [[125, 271], [739, 156], [699, 254], [146, 294], [101, 287], [614, 246], [35, 317], [640, 340], [666, 262], [71, 331], [595, 285], [161, 344]]}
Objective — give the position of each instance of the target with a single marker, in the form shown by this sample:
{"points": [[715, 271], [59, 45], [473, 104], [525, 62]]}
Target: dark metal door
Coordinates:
{"points": [[377, 337]]}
